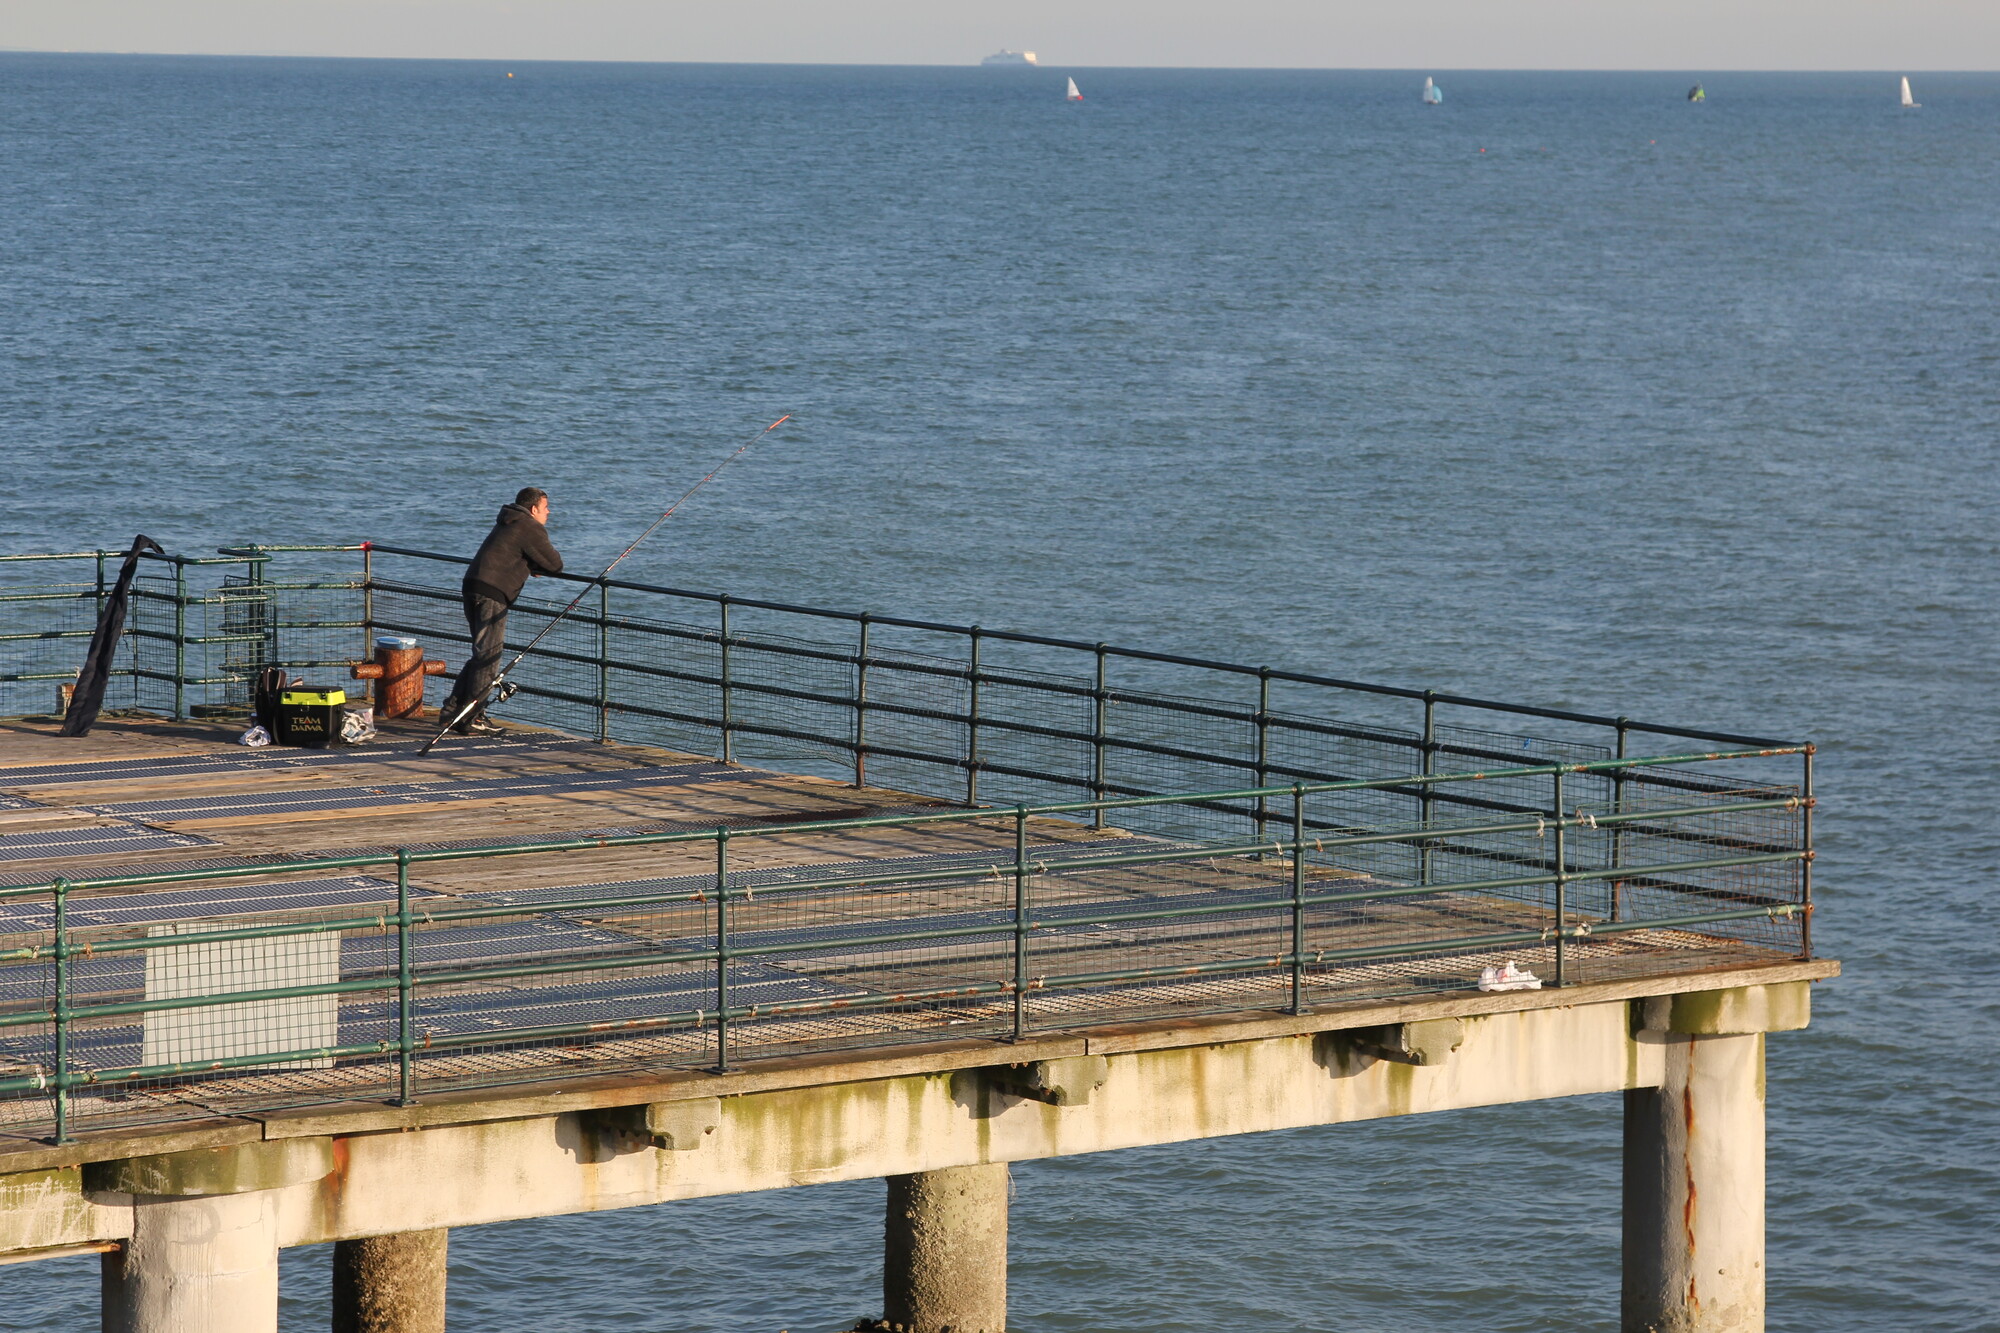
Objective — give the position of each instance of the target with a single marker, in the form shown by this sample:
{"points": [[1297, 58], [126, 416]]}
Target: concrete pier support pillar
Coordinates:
{"points": [[390, 1284], [944, 1261], [199, 1265], [1694, 1191], [203, 1255]]}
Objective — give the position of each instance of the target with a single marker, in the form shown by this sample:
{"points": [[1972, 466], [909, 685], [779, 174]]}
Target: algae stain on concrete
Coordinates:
{"points": [[48, 1207], [825, 1130], [1399, 1087]]}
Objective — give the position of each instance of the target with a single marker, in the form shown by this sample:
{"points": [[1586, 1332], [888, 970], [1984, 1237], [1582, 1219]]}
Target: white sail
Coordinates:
{"points": [[1074, 95], [1433, 95], [1907, 99]]}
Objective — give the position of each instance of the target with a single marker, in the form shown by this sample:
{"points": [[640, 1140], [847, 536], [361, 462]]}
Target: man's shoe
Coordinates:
{"points": [[480, 726]]}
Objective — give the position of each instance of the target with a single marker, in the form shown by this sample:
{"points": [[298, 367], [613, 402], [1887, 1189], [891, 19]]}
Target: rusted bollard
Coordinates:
{"points": [[398, 671]]}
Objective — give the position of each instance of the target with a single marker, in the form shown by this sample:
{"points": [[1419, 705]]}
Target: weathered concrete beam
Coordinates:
{"points": [[207, 1171], [571, 1163], [673, 1126], [1736, 1011], [507, 1154], [1067, 1082], [1429, 1042], [944, 1254], [42, 1210], [598, 1092]]}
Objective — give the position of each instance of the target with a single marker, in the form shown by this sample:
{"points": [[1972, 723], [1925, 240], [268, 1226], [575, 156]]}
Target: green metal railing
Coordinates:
{"points": [[187, 646], [975, 714], [1024, 972], [935, 706], [1388, 853]]}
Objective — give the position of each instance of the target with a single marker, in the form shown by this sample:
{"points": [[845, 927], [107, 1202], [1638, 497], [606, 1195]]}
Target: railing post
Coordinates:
{"points": [[1298, 898], [98, 617], [62, 1012], [603, 660], [972, 725], [728, 738], [861, 708], [1020, 922], [1806, 839], [721, 951], [1426, 802], [367, 600], [180, 641], [1263, 748], [1618, 830], [1101, 701], [406, 986], [1562, 879]]}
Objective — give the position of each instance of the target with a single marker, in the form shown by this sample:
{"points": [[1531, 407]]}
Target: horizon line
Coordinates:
{"points": [[1010, 69]]}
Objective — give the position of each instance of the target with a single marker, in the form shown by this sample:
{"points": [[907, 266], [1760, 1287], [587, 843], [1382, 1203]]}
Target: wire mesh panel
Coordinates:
{"points": [[29, 1057], [48, 609]]}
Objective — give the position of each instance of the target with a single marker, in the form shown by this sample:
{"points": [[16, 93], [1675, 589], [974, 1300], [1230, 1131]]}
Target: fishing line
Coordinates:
{"points": [[500, 682]]}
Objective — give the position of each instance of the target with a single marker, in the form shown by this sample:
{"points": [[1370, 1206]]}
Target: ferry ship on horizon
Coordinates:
{"points": [[1006, 57]]}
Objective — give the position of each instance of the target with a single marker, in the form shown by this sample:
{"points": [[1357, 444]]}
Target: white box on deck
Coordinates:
{"points": [[255, 1027]]}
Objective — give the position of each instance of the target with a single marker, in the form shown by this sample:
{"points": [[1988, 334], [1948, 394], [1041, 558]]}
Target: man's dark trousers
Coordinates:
{"points": [[487, 619]]}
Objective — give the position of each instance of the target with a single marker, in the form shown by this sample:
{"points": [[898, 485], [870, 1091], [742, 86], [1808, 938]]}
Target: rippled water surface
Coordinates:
{"points": [[1566, 391]]}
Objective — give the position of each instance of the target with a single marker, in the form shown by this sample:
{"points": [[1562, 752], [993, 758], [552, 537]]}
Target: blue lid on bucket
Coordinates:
{"points": [[394, 641]]}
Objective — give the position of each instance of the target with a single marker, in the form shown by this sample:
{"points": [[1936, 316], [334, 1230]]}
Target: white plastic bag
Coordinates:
{"points": [[254, 737], [357, 725], [1508, 977]]}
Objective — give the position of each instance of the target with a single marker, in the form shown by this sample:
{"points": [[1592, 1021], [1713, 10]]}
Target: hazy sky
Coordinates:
{"points": [[1442, 34]]}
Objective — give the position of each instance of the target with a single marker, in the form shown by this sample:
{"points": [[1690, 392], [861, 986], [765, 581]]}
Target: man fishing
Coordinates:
{"points": [[517, 549]]}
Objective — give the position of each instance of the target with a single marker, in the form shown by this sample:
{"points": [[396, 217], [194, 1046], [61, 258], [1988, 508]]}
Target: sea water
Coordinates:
{"points": [[1566, 391]]}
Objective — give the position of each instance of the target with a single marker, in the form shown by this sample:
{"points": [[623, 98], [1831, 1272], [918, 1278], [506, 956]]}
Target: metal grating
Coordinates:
{"points": [[255, 761], [1251, 910], [973, 862], [110, 977], [386, 852], [262, 898], [247, 804], [18, 878], [707, 825], [626, 1000], [94, 840], [540, 938]]}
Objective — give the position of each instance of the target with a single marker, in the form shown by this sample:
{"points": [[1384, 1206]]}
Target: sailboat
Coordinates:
{"points": [[1697, 94], [1433, 95], [1074, 95], [1909, 104]]}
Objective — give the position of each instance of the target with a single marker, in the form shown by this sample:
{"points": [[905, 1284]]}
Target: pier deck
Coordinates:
{"points": [[150, 796]]}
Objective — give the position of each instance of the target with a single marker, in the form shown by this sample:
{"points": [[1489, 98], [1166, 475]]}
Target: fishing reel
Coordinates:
{"points": [[504, 691]]}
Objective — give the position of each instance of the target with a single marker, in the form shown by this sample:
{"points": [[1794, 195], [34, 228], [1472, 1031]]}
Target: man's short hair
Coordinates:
{"points": [[530, 496]]}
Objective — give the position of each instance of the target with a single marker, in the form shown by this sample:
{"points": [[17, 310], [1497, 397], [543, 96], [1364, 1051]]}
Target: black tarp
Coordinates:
{"points": [[88, 700]]}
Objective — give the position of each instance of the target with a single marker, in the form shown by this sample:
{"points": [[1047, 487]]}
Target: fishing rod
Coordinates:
{"points": [[500, 682]]}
